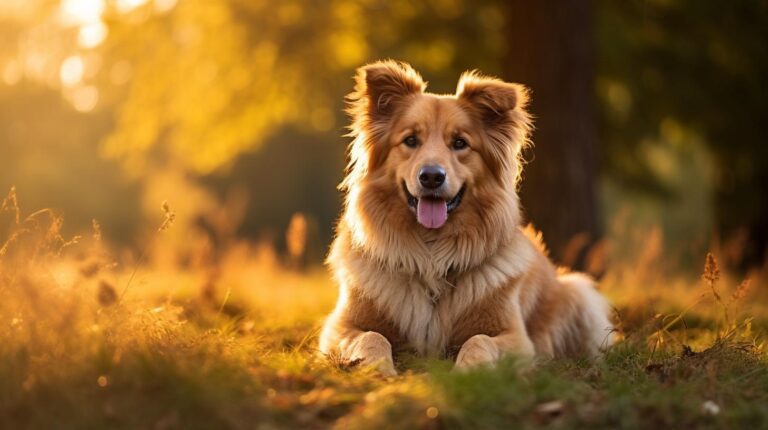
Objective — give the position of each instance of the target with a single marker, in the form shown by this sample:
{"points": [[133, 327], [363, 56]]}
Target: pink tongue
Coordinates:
{"points": [[431, 213]]}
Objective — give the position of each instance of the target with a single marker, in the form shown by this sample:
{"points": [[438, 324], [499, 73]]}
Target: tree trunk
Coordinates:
{"points": [[551, 50]]}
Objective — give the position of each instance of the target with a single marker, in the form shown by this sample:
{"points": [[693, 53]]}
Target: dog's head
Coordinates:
{"points": [[435, 154]]}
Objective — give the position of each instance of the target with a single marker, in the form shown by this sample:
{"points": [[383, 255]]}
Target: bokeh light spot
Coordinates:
{"points": [[79, 12], [84, 99], [432, 412], [125, 6], [91, 35], [71, 71]]}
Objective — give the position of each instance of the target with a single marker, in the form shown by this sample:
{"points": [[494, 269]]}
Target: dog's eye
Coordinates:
{"points": [[459, 143], [411, 141]]}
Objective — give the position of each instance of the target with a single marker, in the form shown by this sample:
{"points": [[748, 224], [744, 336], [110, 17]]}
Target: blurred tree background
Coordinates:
{"points": [[650, 114]]}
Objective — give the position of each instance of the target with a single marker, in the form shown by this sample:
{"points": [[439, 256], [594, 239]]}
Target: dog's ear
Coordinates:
{"points": [[492, 98], [501, 108], [381, 88]]}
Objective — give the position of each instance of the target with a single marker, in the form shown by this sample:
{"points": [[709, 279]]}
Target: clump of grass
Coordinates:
{"points": [[710, 276], [729, 328], [675, 326], [169, 216], [11, 204]]}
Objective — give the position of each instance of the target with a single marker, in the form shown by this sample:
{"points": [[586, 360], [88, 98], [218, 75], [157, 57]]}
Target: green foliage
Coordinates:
{"points": [[201, 101], [674, 75]]}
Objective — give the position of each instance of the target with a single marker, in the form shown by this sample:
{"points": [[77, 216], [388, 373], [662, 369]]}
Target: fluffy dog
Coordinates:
{"points": [[430, 253]]}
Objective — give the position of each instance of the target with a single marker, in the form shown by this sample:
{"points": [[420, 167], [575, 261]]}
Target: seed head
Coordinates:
{"points": [[711, 270], [742, 290], [96, 230], [170, 216]]}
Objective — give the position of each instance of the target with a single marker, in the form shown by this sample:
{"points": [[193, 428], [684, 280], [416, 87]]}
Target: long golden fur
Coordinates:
{"points": [[471, 283]]}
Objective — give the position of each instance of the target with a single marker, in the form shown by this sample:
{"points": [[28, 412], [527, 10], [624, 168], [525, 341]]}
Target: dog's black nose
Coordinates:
{"points": [[431, 176]]}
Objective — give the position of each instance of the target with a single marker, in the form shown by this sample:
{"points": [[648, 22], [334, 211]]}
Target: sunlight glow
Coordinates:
{"points": [[80, 12], [71, 71], [91, 35], [35, 65], [16, 8], [84, 99], [64, 275], [124, 6]]}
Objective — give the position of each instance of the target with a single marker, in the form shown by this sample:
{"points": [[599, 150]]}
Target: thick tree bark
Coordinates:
{"points": [[551, 50]]}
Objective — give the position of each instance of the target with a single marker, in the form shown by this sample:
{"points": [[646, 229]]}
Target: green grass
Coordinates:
{"points": [[181, 350]]}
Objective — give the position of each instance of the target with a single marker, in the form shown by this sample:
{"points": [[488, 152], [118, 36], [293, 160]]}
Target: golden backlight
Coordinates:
{"points": [[169, 174]]}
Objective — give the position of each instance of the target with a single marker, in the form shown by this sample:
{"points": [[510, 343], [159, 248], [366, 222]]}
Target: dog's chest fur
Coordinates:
{"points": [[418, 309], [437, 314]]}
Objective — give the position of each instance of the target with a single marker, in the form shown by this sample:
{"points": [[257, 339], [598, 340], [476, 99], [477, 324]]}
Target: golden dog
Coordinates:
{"points": [[430, 253]]}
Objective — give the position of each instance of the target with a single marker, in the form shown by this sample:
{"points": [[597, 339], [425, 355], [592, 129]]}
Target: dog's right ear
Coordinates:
{"points": [[501, 109], [380, 89]]}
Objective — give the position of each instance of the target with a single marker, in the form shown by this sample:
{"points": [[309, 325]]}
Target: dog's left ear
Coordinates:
{"points": [[381, 88], [500, 106]]}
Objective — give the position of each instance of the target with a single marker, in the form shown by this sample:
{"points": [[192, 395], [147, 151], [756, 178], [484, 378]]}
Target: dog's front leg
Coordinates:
{"points": [[482, 349], [352, 334], [368, 348]]}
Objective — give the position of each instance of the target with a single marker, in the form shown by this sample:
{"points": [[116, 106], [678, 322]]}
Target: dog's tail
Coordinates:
{"points": [[588, 331]]}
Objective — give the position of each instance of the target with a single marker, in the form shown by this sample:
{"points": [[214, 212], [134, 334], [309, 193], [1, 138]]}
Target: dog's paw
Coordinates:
{"points": [[372, 349], [384, 367], [477, 350]]}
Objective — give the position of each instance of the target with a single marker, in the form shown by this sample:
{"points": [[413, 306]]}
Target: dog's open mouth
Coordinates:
{"points": [[432, 211]]}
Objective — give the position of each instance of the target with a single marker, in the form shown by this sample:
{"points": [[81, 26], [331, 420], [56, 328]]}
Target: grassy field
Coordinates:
{"points": [[86, 342]]}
